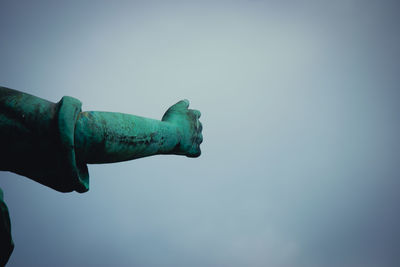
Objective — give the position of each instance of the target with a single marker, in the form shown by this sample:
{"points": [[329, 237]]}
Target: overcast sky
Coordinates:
{"points": [[300, 108]]}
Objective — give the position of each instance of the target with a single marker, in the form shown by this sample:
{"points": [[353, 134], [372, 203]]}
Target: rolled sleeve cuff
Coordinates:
{"points": [[76, 176]]}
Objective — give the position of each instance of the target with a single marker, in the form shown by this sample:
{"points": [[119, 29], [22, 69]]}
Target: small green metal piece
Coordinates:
{"points": [[6, 242]]}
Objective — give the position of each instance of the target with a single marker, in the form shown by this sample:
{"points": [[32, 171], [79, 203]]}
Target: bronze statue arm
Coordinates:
{"points": [[104, 137], [51, 143]]}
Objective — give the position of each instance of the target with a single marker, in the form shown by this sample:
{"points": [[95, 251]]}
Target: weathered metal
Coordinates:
{"points": [[52, 143]]}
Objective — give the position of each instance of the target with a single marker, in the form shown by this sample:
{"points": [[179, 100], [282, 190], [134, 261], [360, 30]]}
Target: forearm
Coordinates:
{"points": [[105, 137]]}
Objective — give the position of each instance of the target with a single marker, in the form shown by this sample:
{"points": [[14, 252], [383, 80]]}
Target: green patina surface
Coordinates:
{"points": [[52, 143]]}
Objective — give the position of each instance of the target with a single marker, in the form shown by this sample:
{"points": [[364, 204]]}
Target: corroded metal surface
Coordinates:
{"points": [[52, 143], [36, 140], [102, 137]]}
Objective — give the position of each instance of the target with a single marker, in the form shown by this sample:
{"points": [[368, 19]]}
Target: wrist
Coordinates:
{"points": [[170, 138]]}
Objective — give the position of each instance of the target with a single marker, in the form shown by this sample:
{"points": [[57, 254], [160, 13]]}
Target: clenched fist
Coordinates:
{"points": [[188, 127]]}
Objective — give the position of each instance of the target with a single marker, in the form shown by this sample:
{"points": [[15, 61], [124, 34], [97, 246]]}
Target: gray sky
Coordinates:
{"points": [[300, 107]]}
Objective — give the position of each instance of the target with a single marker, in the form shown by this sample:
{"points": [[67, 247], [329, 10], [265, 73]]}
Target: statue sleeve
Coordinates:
{"points": [[37, 140]]}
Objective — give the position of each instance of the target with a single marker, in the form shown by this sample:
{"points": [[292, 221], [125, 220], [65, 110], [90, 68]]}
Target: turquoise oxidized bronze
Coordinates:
{"points": [[52, 143]]}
